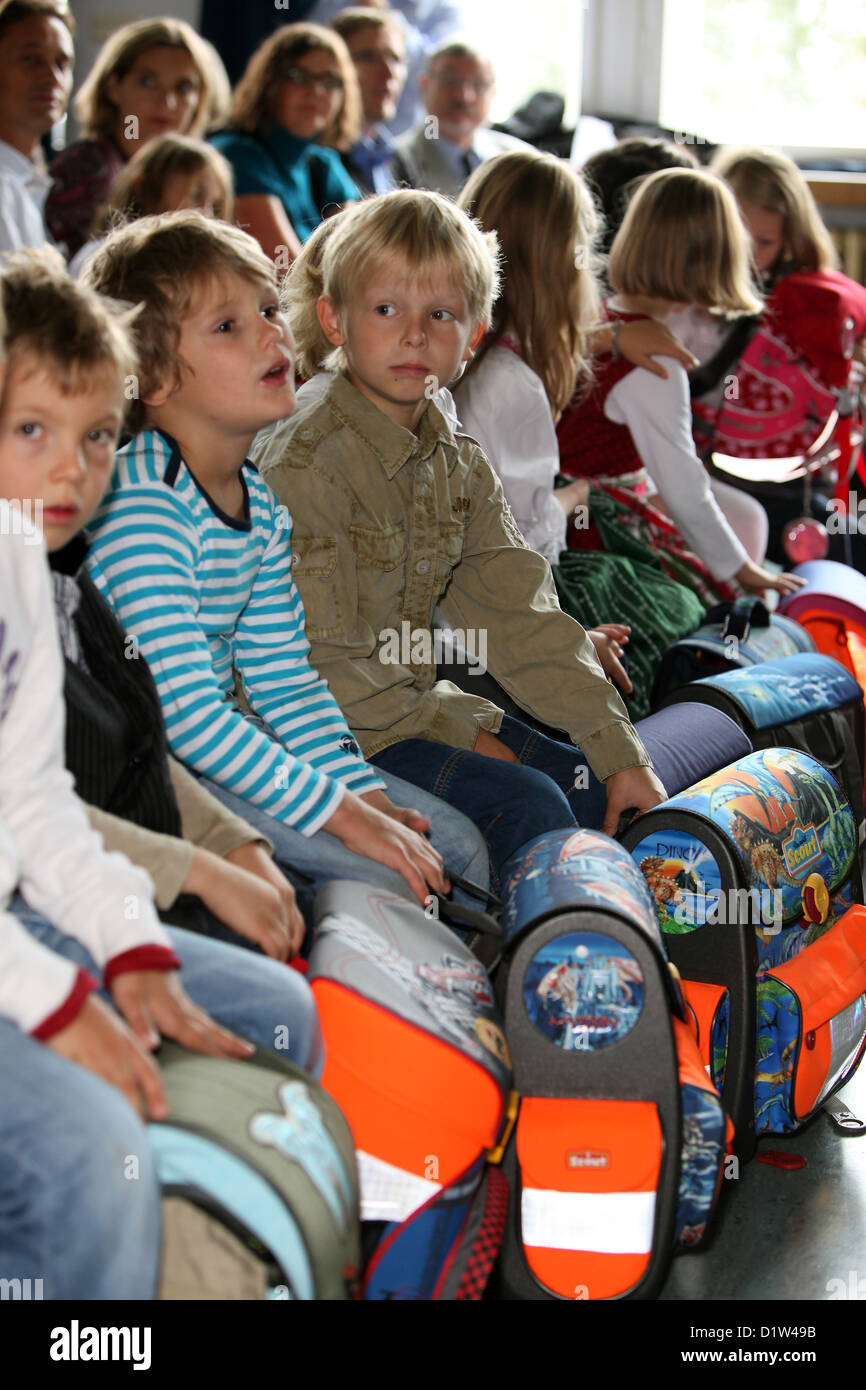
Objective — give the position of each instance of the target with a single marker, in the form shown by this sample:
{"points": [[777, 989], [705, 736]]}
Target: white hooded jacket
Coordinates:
{"points": [[47, 848]]}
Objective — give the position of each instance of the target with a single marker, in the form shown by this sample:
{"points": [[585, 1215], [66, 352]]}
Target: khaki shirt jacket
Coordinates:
{"points": [[387, 525]]}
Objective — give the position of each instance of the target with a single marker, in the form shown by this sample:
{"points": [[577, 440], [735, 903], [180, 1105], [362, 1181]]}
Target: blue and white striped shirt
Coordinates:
{"points": [[204, 595]]}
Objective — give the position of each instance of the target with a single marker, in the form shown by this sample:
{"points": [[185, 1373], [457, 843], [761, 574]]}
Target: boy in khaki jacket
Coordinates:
{"points": [[393, 515]]}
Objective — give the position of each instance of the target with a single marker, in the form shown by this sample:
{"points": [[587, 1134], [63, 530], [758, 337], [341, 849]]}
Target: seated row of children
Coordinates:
{"points": [[232, 719], [191, 550]]}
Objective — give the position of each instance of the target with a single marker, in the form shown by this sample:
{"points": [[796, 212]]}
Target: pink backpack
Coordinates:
{"points": [[770, 390]]}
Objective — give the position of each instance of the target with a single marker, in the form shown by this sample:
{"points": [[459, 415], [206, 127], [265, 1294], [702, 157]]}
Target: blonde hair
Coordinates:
{"points": [[301, 291], [164, 263], [682, 240], [545, 220], [254, 95], [138, 190], [425, 232], [64, 327], [95, 110], [772, 181]]}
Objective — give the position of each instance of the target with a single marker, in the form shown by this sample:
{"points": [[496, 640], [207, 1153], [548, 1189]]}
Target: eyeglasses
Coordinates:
{"points": [[300, 77], [479, 85]]}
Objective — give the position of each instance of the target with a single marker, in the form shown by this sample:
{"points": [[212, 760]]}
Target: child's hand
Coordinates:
{"points": [[403, 815], [642, 340], [573, 495], [756, 580], [608, 640], [492, 747], [100, 1042], [254, 859], [365, 830], [155, 1004], [637, 789], [250, 903]]}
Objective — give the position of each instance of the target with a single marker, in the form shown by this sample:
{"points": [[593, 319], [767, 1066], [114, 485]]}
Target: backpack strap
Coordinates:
{"points": [[710, 373]]}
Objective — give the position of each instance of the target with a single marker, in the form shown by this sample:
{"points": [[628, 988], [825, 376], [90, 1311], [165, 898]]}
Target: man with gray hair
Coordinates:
{"points": [[457, 87]]}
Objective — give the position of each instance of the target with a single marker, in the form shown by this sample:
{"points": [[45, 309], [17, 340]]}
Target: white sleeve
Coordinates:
{"points": [[21, 222], [658, 416], [63, 870], [504, 407]]}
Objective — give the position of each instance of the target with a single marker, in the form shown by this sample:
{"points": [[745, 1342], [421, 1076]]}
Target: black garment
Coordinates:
{"points": [[237, 30], [116, 746]]}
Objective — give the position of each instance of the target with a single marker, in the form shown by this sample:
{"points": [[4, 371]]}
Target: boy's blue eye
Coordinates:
{"points": [[101, 436], [30, 429]]}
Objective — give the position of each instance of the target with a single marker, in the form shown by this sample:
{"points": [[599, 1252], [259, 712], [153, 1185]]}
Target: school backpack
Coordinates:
{"points": [[756, 882], [417, 1059], [807, 701], [258, 1178], [616, 1158], [732, 635], [769, 390], [832, 608]]}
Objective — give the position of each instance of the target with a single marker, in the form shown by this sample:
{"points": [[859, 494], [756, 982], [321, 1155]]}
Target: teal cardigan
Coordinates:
{"points": [[306, 177]]}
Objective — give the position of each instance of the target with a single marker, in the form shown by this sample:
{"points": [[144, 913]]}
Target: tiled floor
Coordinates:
{"points": [[787, 1234]]}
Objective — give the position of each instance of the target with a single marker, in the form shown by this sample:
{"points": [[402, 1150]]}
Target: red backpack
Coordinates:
{"points": [[769, 391]]}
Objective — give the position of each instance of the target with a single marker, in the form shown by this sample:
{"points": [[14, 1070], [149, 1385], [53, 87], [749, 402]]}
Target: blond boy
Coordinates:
{"points": [[394, 514], [192, 552]]}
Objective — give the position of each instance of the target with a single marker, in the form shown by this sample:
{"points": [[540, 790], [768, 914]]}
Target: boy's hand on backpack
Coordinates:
{"points": [[642, 340], [634, 789], [254, 859], [248, 902], [100, 1042], [756, 580], [155, 1004], [366, 831], [609, 640]]}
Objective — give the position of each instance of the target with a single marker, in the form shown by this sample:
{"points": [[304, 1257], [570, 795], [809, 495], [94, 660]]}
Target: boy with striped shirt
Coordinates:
{"points": [[192, 551]]}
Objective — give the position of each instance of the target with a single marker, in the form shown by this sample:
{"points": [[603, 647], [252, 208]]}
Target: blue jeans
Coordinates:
{"points": [[323, 857], [261, 999], [553, 787], [69, 1215]]}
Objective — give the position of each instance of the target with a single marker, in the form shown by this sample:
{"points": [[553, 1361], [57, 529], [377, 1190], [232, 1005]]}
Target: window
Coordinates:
{"points": [[769, 72], [534, 45]]}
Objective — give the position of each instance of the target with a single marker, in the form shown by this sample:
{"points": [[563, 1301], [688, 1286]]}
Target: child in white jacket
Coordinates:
{"points": [[69, 1216]]}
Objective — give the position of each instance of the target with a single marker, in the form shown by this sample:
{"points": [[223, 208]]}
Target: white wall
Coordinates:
{"points": [[622, 57]]}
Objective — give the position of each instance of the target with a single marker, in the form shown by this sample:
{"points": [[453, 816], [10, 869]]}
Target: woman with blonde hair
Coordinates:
{"points": [[296, 108], [681, 243], [150, 78]]}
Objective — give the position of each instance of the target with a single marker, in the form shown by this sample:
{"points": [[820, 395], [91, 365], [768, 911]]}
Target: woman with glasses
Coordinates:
{"points": [[296, 107]]}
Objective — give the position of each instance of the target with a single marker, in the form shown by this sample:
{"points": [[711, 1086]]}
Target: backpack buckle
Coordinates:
{"points": [[512, 1106]]}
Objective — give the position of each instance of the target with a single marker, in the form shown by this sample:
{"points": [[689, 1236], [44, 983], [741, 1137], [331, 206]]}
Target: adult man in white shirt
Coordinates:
{"points": [[458, 88], [36, 62]]}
